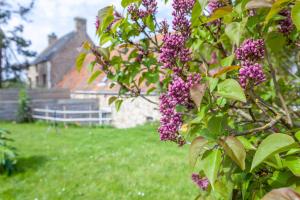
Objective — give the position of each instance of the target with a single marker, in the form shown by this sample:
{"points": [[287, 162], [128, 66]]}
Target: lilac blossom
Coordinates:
{"points": [[170, 121], [286, 25], [251, 73], [173, 49], [150, 8], [251, 50], [163, 27], [202, 183], [214, 5]]}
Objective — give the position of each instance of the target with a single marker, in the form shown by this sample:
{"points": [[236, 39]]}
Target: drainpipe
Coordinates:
{"points": [[49, 75]]}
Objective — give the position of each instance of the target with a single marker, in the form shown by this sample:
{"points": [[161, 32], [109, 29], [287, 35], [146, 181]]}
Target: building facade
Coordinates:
{"points": [[58, 58]]}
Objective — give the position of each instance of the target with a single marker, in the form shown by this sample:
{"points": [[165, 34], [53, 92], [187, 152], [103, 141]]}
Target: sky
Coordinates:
{"points": [[57, 16]]}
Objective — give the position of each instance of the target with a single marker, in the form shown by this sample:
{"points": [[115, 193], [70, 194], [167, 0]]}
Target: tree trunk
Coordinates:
{"points": [[0, 64], [1, 56]]}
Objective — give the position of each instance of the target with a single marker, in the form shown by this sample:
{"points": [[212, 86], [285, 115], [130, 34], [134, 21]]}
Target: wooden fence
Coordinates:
{"points": [[100, 116]]}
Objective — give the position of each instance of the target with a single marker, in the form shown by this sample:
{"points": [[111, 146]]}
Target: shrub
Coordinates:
{"points": [[228, 75], [24, 114], [7, 153]]}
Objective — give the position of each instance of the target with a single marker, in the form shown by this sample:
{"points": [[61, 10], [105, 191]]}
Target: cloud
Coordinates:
{"points": [[57, 16]]}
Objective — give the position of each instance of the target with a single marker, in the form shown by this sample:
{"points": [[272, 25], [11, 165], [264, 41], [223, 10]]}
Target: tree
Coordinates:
{"points": [[228, 75], [13, 47]]}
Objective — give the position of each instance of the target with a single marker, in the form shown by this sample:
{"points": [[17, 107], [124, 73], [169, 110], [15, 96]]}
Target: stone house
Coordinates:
{"points": [[58, 58], [133, 111], [55, 68]]}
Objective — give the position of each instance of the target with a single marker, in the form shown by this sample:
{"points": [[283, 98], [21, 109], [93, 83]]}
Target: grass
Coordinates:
{"points": [[95, 163]]}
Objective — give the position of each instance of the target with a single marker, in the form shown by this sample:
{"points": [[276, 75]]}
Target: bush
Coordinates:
{"points": [[8, 158], [24, 114], [228, 74]]}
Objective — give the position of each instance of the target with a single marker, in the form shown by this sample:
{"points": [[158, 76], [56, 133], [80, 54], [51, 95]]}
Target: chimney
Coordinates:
{"points": [[80, 24], [52, 38]]}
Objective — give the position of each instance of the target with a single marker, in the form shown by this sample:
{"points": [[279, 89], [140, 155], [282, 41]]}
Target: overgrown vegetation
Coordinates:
{"points": [[228, 75], [24, 114], [8, 158]]}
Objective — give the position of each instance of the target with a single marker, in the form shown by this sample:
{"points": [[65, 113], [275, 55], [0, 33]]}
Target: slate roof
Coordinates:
{"points": [[55, 48]]}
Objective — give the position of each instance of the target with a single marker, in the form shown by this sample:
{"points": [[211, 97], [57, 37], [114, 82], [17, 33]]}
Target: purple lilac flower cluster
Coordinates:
{"points": [[136, 13], [211, 7], [117, 16], [173, 49], [251, 50], [214, 5], [286, 25], [251, 72], [249, 53], [202, 183], [170, 121], [178, 94], [163, 27], [181, 10]]}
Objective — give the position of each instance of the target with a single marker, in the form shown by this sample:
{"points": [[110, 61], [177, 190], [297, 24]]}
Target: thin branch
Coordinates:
{"points": [[262, 128], [277, 89]]}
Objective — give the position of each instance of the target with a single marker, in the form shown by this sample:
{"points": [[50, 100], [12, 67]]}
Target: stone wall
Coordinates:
{"points": [[133, 112]]}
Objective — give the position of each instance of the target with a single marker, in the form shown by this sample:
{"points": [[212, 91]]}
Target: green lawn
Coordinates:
{"points": [[96, 163]]}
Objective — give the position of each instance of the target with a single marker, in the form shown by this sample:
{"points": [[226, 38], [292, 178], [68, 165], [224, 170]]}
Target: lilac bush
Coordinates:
{"points": [[228, 77]]}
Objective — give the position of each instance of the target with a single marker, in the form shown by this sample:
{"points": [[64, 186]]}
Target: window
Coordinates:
{"points": [[37, 80], [44, 80], [149, 119]]}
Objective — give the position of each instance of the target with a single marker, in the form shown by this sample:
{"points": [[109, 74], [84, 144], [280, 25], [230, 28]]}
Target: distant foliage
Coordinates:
{"points": [[8, 158], [229, 77], [24, 114]]}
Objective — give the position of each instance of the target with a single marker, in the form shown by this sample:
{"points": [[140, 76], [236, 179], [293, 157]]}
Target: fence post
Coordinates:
{"points": [[100, 116], [90, 115], [47, 114], [64, 109]]}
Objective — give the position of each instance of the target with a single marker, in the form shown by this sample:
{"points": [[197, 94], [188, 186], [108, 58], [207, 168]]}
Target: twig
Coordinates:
{"points": [[277, 89], [262, 128]]}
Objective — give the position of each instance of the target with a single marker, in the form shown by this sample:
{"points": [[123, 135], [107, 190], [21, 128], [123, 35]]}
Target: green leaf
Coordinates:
{"points": [[105, 12], [233, 31], [150, 23], [259, 4], [197, 92], [211, 164], [271, 145], [216, 125], [231, 89], [219, 13], [275, 41], [203, 3], [125, 3], [112, 99], [80, 60], [227, 61], [235, 150], [276, 7], [104, 52], [196, 13], [212, 82], [296, 14], [297, 135], [118, 104], [293, 163], [94, 76], [246, 143], [197, 148]]}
